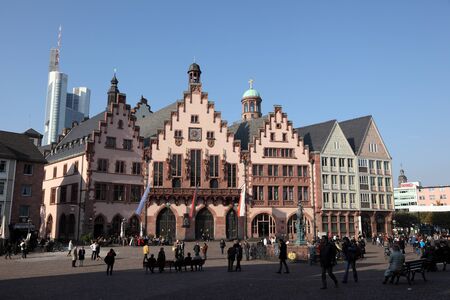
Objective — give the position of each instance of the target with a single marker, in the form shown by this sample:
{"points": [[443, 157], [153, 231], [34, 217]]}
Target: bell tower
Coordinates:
{"points": [[113, 90], [194, 73], [251, 103]]}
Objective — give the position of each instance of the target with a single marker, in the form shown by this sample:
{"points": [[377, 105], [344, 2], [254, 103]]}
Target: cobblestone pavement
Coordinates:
{"points": [[50, 276]]}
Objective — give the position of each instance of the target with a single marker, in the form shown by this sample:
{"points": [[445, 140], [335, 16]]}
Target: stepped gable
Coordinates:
{"points": [[355, 131], [75, 141], [247, 131], [19, 146], [149, 126], [316, 135]]}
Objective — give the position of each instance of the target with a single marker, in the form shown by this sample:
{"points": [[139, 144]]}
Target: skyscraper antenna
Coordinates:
{"points": [[59, 37]]}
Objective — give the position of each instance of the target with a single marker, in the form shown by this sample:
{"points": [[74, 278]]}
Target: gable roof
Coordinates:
{"points": [[246, 131], [71, 145], [316, 135], [33, 133], [355, 131], [149, 126], [19, 146]]}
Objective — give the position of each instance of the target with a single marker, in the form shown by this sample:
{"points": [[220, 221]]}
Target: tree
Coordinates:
{"points": [[405, 220]]}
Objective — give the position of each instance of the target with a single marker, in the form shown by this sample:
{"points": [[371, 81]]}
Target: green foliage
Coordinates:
{"points": [[405, 220], [87, 238], [436, 218]]}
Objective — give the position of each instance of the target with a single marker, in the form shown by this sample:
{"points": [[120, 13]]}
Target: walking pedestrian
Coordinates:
{"points": [[282, 256], [247, 250], [23, 249], [350, 249], [81, 254], [327, 261], [74, 257], [70, 247], [109, 260], [161, 261], [94, 252], [97, 251], [204, 250], [8, 250], [146, 250], [222, 245], [231, 255], [238, 256]]}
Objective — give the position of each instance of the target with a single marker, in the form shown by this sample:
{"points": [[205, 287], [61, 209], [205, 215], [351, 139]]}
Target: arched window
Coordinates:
{"points": [[252, 106], [116, 223], [99, 226], [263, 225], [204, 225], [213, 183], [135, 225], [246, 107], [71, 226], [62, 227], [166, 224]]}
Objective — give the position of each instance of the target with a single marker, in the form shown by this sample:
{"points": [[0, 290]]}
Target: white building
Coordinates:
{"points": [[405, 196]]}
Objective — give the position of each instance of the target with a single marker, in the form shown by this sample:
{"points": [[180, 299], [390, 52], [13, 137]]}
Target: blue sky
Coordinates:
{"points": [[320, 60]]}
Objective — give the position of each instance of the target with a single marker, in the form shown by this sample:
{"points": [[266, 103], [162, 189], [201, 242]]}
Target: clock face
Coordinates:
{"points": [[195, 134]]}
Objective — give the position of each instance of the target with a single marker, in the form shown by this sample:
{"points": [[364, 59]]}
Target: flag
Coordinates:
{"points": [[194, 199], [143, 200], [241, 206]]}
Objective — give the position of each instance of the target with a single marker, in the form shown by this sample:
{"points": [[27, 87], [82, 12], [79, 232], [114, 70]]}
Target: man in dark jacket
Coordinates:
{"points": [[231, 254], [283, 256], [238, 256], [161, 261], [327, 260], [349, 248], [109, 260]]}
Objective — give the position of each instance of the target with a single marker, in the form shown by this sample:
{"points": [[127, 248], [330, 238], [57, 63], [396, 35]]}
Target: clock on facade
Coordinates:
{"points": [[195, 134]]}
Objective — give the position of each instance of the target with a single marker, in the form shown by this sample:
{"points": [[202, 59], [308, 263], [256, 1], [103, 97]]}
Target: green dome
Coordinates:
{"points": [[251, 93]]}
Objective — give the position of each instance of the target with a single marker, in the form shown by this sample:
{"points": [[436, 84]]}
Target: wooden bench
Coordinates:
{"points": [[409, 270]]}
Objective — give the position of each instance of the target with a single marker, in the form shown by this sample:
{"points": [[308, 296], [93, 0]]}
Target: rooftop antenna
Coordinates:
{"points": [[59, 37]]}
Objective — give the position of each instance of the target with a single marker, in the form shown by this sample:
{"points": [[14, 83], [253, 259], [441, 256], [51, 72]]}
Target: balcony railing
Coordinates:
{"points": [[326, 186], [333, 169], [353, 205], [334, 186], [344, 187], [274, 202], [200, 192], [288, 202], [372, 171], [365, 204], [326, 205], [326, 168], [374, 206], [388, 189], [344, 205], [382, 206], [351, 170], [363, 169], [342, 169], [379, 171], [387, 172], [351, 187], [364, 187], [336, 205], [373, 187], [381, 188], [258, 203]]}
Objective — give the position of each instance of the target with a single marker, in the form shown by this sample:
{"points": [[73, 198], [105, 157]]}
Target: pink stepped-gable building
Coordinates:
{"points": [[93, 179], [97, 172]]}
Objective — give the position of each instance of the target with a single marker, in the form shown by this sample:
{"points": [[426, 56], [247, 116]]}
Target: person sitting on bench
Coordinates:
{"points": [[396, 261], [188, 262]]}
